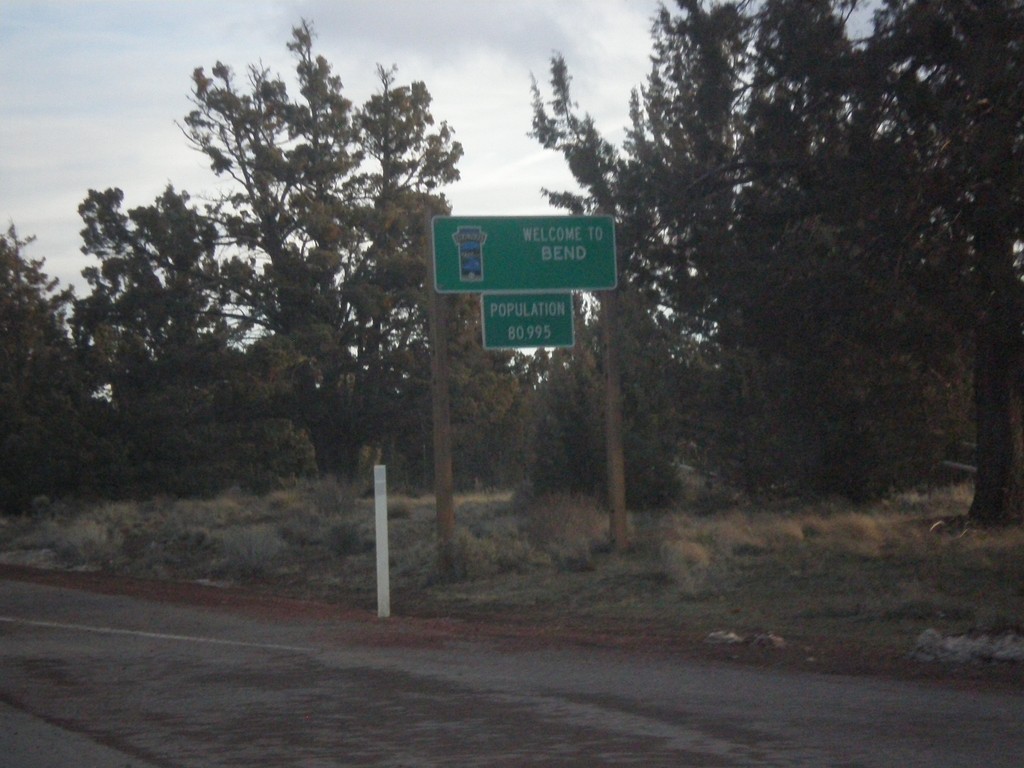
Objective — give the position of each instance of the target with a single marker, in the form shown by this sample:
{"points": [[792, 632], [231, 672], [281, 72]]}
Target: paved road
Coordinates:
{"points": [[118, 681]]}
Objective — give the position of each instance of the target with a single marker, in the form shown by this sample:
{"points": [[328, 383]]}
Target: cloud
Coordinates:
{"points": [[92, 90]]}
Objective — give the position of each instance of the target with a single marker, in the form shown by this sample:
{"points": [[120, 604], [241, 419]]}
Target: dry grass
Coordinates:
{"points": [[569, 528], [249, 550], [879, 576]]}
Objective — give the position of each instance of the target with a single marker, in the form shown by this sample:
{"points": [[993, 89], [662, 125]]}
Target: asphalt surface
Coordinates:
{"points": [[110, 681]]}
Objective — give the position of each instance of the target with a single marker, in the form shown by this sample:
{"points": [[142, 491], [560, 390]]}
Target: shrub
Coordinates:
{"points": [[345, 537], [329, 496], [475, 557], [250, 550], [570, 528], [80, 542], [686, 563], [701, 554]]}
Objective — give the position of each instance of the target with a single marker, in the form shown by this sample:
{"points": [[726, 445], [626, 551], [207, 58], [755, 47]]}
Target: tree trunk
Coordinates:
{"points": [[998, 383], [999, 328], [444, 483], [615, 450]]}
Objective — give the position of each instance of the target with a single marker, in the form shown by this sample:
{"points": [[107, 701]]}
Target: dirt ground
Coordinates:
{"points": [[828, 589], [421, 622], [249, 679]]}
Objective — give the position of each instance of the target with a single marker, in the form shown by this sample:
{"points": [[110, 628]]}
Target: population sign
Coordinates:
{"points": [[511, 254], [516, 320]]}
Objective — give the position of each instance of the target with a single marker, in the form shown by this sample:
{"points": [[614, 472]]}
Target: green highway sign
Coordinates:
{"points": [[486, 254], [517, 320]]}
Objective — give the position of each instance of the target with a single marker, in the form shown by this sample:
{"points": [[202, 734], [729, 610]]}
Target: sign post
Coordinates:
{"points": [[539, 257], [444, 482]]}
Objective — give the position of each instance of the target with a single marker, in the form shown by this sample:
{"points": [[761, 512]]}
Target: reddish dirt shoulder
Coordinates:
{"points": [[422, 626]]}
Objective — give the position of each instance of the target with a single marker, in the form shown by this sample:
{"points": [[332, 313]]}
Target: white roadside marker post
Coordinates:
{"points": [[380, 494]]}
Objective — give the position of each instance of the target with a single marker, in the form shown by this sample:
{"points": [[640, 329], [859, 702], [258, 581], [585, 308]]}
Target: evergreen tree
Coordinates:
{"points": [[746, 203], [329, 202], [44, 449], [944, 113], [165, 360]]}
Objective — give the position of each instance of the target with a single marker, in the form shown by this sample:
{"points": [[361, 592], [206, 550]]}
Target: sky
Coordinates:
{"points": [[92, 91]]}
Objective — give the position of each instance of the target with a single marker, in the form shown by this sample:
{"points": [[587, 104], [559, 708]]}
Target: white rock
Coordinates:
{"points": [[961, 649], [722, 637], [768, 640]]}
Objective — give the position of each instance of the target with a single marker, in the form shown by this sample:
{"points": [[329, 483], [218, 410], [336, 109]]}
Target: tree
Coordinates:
{"points": [[407, 160], [682, 170], [745, 173], [328, 202], [594, 162], [292, 164], [748, 196], [43, 447], [491, 399], [870, 371], [946, 112], [164, 358], [568, 450]]}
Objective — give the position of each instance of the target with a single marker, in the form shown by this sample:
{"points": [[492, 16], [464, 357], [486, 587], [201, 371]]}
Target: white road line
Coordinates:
{"points": [[153, 635]]}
